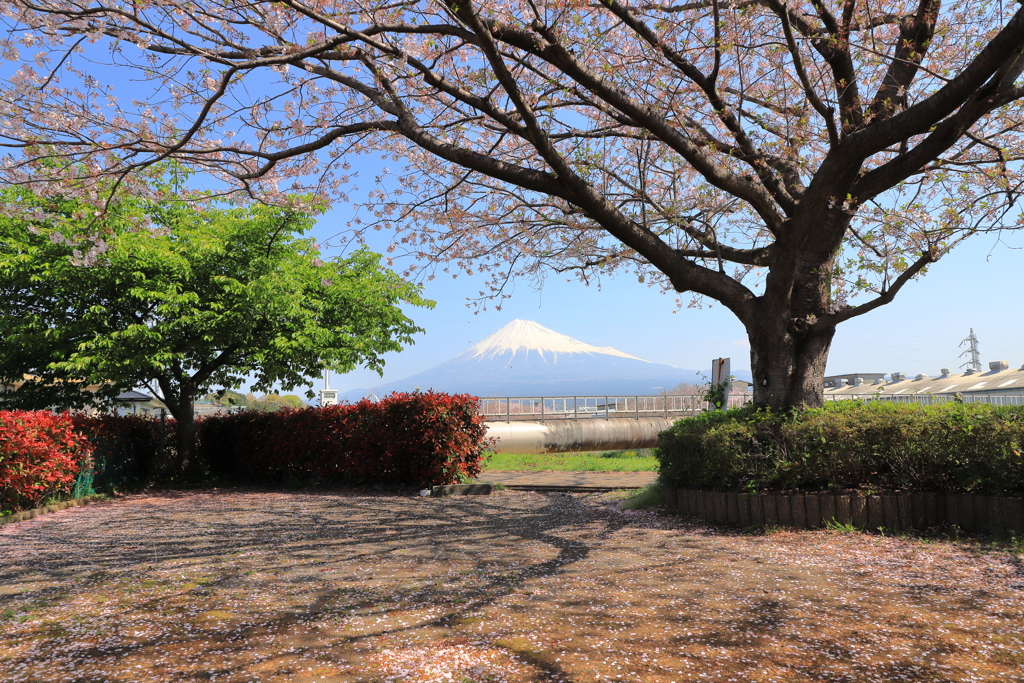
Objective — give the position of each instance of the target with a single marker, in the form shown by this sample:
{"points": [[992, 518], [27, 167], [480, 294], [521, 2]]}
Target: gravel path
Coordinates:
{"points": [[339, 586]]}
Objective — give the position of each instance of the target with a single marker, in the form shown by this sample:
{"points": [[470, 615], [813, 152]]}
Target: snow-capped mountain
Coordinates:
{"points": [[524, 358], [524, 336]]}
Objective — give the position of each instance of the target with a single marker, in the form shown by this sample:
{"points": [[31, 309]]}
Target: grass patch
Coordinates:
{"points": [[647, 497], [641, 460], [846, 528]]}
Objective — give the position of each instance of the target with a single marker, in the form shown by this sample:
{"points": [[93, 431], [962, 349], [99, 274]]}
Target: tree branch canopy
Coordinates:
{"points": [[773, 156]]}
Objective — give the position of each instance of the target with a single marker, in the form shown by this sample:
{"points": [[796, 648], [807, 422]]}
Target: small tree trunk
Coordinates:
{"points": [[181, 408], [186, 439]]}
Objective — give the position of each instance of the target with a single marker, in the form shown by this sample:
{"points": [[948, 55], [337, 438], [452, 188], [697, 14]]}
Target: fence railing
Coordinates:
{"points": [[930, 399], [582, 407]]}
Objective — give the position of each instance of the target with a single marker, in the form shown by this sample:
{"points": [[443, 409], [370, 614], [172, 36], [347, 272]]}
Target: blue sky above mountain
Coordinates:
{"points": [[524, 358]]}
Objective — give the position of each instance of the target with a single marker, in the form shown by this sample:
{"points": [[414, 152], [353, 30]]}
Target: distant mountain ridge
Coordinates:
{"points": [[525, 358]]}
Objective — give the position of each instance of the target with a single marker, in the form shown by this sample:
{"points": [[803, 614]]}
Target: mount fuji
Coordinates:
{"points": [[524, 358]]}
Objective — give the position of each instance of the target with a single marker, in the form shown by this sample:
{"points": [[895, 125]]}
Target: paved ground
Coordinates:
{"points": [[551, 478], [240, 586]]}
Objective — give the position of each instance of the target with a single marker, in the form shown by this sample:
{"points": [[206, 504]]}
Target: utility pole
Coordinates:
{"points": [[972, 348]]}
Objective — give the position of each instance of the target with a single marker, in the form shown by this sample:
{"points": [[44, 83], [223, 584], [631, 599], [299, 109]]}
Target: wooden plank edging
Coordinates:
{"points": [[35, 512], [891, 511]]}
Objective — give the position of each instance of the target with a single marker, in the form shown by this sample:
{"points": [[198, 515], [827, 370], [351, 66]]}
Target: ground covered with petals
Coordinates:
{"points": [[238, 585]]}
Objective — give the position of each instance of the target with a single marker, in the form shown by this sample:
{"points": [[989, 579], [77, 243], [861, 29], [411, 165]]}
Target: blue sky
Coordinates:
{"points": [[976, 286]]}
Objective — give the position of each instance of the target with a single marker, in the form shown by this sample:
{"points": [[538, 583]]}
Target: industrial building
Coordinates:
{"points": [[1000, 380]]}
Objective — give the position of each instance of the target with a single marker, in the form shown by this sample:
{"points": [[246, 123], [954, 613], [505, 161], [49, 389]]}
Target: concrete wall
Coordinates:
{"points": [[590, 434]]}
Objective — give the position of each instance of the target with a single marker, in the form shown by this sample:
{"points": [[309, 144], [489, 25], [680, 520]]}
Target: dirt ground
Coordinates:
{"points": [[237, 585]]}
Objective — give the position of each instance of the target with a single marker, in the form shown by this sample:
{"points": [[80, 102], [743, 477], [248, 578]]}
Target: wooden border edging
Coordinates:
{"points": [[35, 512], [461, 490], [894, 511]]}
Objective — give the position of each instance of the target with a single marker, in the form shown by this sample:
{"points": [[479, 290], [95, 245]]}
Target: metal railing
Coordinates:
{"points": [[580, 407], [931, 399]]}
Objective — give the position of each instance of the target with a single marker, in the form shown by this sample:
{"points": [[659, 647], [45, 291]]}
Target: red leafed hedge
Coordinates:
{"points": [[40, 455], [130, 451], [412, 439]]}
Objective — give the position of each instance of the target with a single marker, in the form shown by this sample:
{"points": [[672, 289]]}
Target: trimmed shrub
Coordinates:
{"points": [[951, 447], [407, 439], [128, 451], [40, 457], [416, 439]]}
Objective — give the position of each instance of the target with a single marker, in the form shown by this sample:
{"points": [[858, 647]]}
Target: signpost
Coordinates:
{"points": [[721, 379]]}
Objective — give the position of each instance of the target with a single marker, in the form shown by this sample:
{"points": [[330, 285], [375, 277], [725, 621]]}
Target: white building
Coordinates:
{"points": [[1000, 380]]}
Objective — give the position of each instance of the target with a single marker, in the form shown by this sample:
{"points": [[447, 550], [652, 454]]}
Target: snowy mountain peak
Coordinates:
{"points": [[527, 336]]}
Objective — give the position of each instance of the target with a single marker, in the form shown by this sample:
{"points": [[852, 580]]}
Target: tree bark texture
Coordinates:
{"points": [[179, 395], [186, 443]]}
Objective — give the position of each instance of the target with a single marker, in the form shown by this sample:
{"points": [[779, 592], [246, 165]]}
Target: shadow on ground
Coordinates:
{"points": [[247, 585]]}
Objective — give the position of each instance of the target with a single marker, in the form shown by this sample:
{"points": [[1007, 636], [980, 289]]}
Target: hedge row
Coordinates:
{"points": [[416, 439], [41, 456], [129, 451], [952, 447]]}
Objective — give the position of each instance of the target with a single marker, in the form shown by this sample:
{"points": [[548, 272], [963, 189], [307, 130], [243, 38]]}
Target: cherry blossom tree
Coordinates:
{"points": [[799, 161]]}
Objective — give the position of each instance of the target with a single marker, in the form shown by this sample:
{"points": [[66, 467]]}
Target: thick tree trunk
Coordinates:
{"points": [[787, 352], [789, 368], [788, 371], [792, 324], [179, 395]]}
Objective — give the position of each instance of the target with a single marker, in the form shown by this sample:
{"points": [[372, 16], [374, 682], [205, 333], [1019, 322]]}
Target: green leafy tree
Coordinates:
{"points": [[227, 398], [212, 297], [269, 403]]}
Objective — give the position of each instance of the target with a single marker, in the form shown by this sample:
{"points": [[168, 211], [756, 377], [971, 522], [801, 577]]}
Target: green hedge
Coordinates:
{"points": [[951, 447]]}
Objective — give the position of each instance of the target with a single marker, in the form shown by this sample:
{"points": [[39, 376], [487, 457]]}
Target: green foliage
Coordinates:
{"points": [[268, 403], [647, 497], [227, 398], [715, 394], [844, 527], [207, 297], [968, 448]]}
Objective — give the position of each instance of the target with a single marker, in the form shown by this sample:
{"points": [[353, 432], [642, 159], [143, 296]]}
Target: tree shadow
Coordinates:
{"points": [[284, 583]]}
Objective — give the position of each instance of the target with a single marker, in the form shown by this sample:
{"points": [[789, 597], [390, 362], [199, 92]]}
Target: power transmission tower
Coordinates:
{"points": [[972, 349]]}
